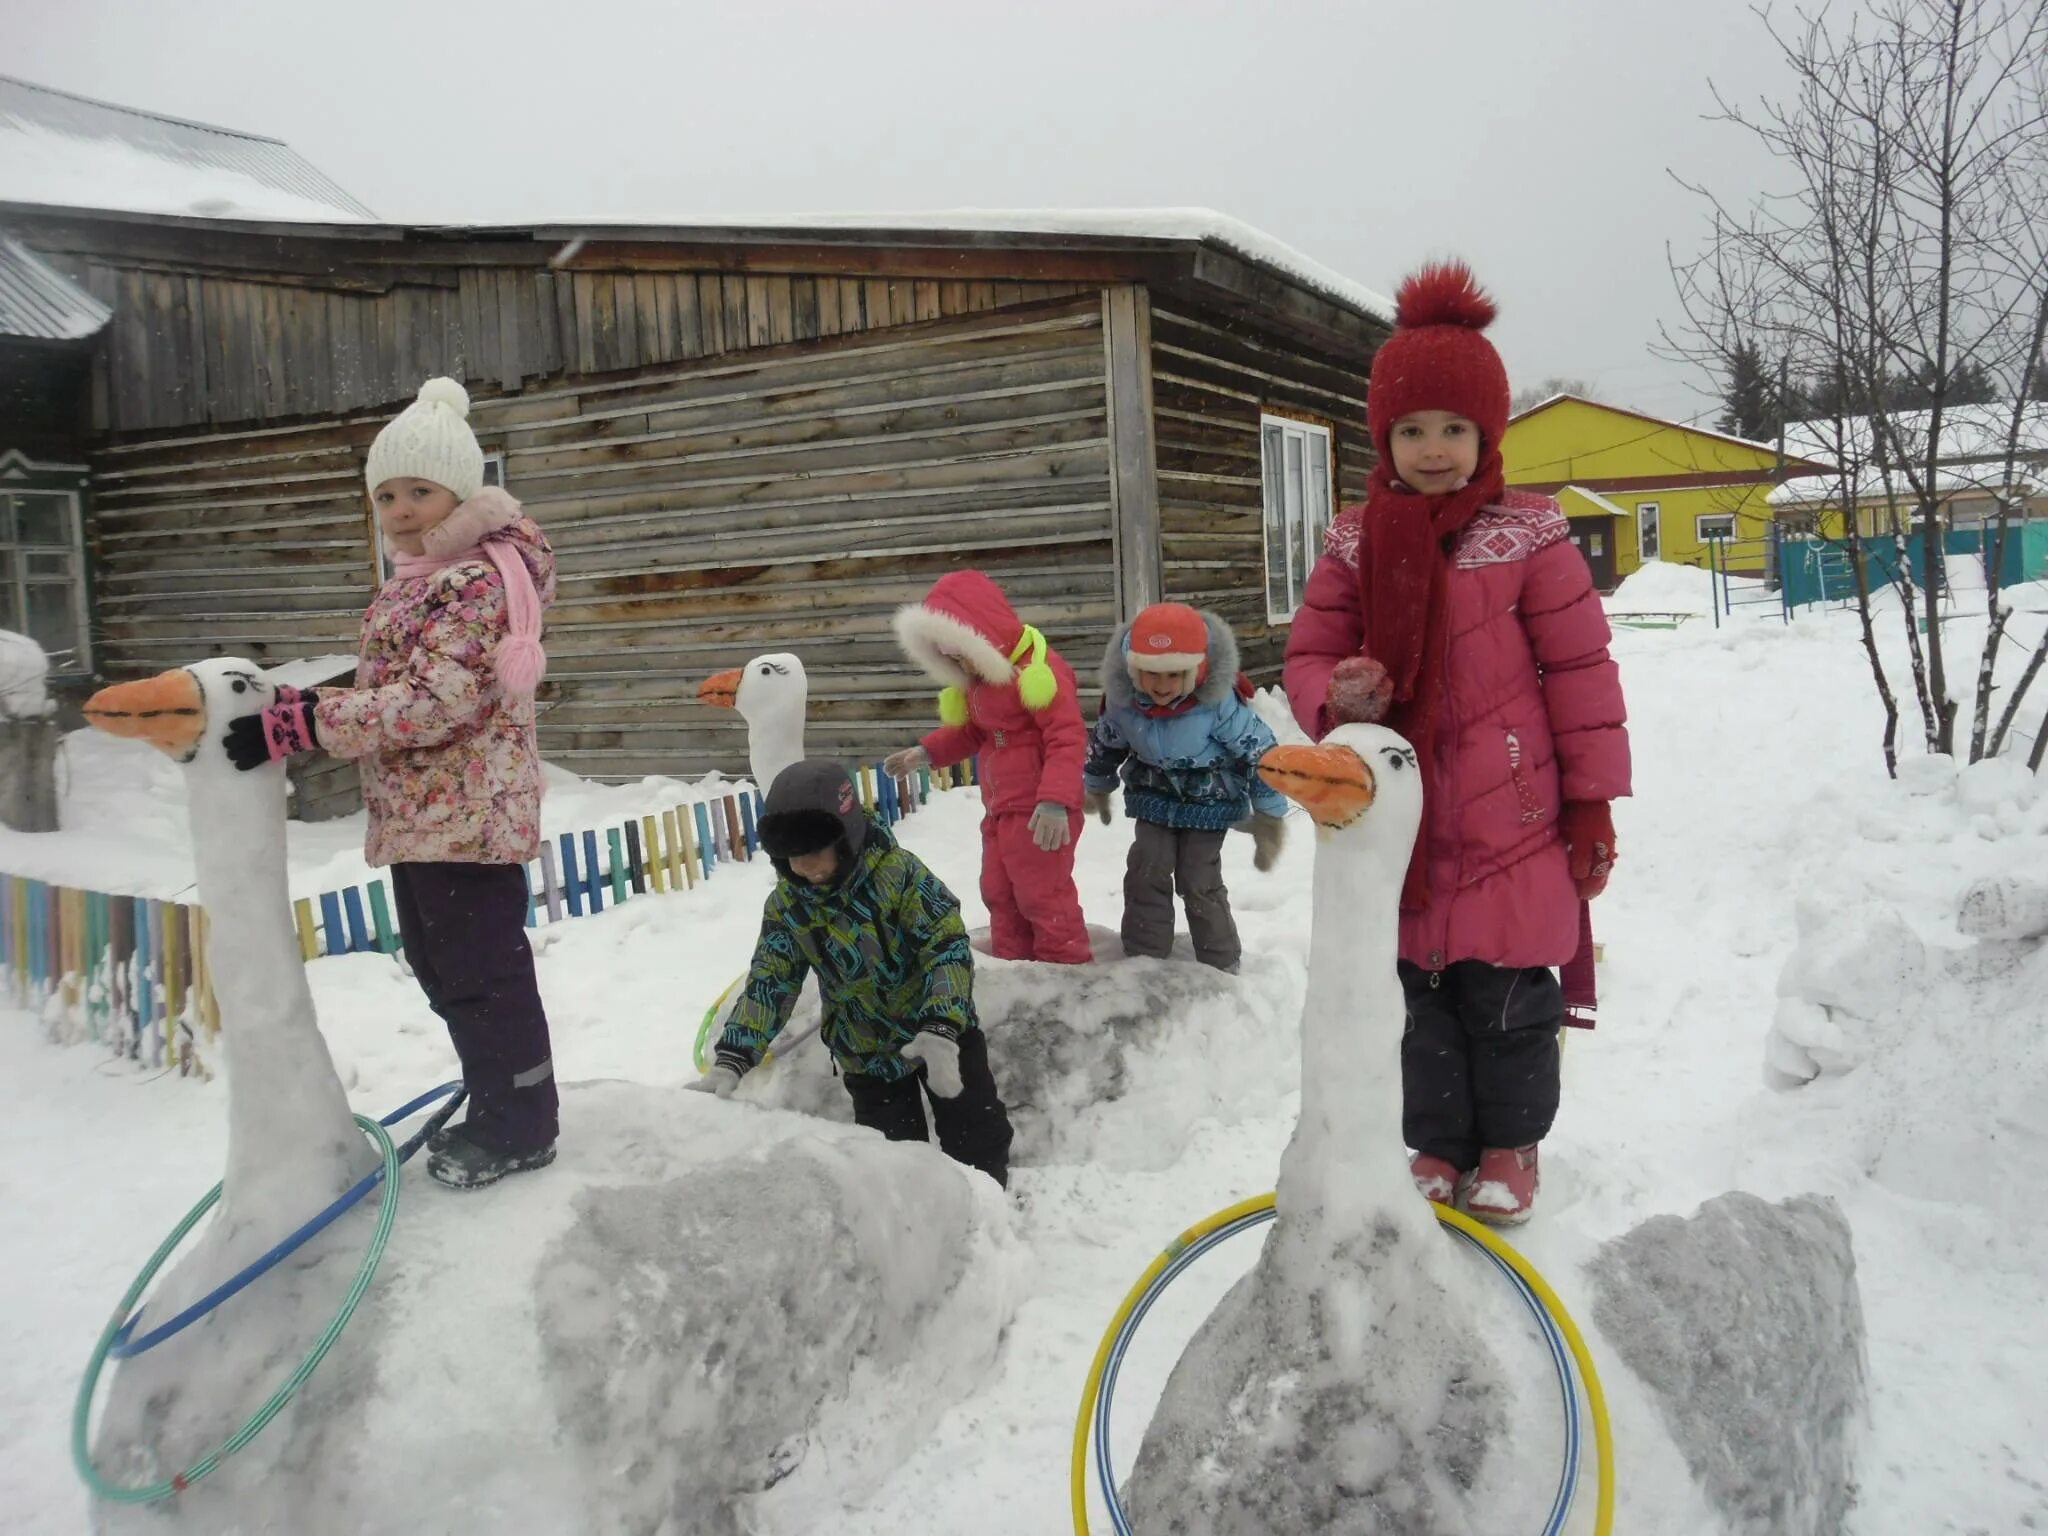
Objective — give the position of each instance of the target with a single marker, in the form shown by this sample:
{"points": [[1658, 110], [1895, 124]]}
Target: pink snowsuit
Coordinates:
{"points": [[1532, 717], [964, 634]]}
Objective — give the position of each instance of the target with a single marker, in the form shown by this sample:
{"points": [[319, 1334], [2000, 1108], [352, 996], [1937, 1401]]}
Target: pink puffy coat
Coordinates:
{"points": [[450, 768], [1532, 717]]}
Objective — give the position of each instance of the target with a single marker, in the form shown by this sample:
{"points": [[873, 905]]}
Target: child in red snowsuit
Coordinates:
{"points": [[1457, 611], [1010, 701]]}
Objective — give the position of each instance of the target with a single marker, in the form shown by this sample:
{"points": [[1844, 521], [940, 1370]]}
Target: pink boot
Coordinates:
{"points": [[1504, 1186], [1436, 1179]]}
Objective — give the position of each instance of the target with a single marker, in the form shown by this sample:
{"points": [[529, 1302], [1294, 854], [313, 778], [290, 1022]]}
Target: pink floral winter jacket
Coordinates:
{"points": [[1532, 717], [450, 768]]}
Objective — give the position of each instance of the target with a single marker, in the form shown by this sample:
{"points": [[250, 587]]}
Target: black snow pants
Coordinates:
{"points": [[1479, 1060], [464, 930], [973, 1129]]}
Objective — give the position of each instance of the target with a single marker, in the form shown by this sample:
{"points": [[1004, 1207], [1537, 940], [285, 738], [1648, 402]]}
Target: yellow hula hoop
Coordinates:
{"points": [[1485, 1236]]}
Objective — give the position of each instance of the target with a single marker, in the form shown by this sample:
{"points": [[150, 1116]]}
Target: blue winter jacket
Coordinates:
{"points": [[1194, 769]]}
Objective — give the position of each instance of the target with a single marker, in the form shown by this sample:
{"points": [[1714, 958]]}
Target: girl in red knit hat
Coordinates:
{"points": [[1459, 613]]}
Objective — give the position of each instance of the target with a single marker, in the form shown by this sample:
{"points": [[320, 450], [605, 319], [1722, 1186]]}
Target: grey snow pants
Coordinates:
{"points": [[1161, 860]]}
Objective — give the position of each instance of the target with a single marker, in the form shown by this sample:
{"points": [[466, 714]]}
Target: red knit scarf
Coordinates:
{"points": [[1404, 568]]}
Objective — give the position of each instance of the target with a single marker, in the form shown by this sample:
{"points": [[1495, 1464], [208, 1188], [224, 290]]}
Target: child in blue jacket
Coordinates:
{"points": [[1187, 748]]}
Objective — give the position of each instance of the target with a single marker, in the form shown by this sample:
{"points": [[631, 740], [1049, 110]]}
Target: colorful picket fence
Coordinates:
{"points": [[131, 971]]}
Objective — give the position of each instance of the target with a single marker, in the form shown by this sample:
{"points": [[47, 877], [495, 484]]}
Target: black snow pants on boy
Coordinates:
{"points": [[1479, 1060], [464, 930], [1161, 859], [973, 1129]]}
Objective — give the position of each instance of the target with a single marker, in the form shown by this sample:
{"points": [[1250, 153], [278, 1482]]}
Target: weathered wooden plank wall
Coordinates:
{"points": [[194, 348], [1209, 386], [789, 499]]}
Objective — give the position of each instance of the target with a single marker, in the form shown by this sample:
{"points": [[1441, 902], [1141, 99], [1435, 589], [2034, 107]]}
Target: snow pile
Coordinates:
{"points": [[23, 671], [1114, 1063], [1768, 1412], [1661, 587], [627, 1343]]}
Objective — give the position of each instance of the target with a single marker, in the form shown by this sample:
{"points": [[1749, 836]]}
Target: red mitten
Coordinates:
{"points": [[1588, 827], [1360, 692]]}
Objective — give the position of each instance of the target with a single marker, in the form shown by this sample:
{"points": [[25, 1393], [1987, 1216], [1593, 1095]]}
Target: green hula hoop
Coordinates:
{"points": [[711, 1017], [81, 1416]]}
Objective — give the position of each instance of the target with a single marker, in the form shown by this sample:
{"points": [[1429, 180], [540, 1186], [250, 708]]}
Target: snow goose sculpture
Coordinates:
{"points": [[666, 1335], [771, 694], [1342, 1386]]}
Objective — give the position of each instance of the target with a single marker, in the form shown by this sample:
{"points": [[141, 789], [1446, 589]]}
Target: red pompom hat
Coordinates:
{"points": [[1168, 637], [1437, 360]]}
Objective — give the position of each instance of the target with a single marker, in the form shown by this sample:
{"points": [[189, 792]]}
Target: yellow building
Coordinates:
{"points": [[1637, 488]]}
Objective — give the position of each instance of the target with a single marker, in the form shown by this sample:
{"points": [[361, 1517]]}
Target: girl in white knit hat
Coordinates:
{"points": [[440, 722]]}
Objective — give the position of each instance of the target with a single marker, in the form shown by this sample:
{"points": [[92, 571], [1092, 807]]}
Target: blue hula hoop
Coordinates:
{"points": [[1568, 1475], [126, 1347]]}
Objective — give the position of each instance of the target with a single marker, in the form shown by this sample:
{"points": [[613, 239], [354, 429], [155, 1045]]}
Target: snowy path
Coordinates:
{"points": [[1755, 748]]}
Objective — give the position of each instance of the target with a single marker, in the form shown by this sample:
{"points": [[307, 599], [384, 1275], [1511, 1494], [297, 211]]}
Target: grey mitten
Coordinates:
{"points": [[1097, 803], [1050, 829], [1269, 836], [941, 1059], [902, 764], [720, 1080]]}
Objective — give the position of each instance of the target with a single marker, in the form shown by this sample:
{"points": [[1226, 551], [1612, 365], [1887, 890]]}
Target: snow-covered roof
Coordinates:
{"points": [[1610, 508], [1824, 490], [1967, 432], [41, 303], [73, 152], [1204, 226]]}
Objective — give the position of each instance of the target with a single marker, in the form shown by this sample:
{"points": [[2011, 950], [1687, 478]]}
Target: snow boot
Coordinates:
{"points": [[1435, 1179], [461, 1163], [1504, 1186]]}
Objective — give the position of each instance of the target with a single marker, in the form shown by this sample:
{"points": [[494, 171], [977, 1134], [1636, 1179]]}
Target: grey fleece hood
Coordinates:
{"points": [[1217, 684]]}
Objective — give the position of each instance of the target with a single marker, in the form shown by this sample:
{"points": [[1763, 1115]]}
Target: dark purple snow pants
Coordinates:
{"points": [[464, 929], [1479, 1061]]}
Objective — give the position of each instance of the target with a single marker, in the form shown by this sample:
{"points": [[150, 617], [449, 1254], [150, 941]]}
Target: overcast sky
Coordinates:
{"points": [[1534, 139]]}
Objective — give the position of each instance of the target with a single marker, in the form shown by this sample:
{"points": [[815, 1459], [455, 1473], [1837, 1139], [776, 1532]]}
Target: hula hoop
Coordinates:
{"points": [[178, 1482], [1567, 1347], [127, 1347]]}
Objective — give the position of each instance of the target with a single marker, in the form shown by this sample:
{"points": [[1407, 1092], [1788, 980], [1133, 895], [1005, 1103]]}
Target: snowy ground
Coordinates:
{"points": [[1759, 783]]}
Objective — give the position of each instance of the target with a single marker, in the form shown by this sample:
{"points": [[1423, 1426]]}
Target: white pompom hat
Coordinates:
{"points": [[430, 440]]}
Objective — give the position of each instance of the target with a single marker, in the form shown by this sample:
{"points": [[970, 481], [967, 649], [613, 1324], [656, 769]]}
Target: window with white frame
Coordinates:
{"points": [[1294, 463], [494, 474], [1714, 525], [42, 575]]}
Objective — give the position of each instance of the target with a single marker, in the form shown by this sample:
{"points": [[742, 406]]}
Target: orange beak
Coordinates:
{"points": [[722, 691], [167, 711], [1331, 783]]}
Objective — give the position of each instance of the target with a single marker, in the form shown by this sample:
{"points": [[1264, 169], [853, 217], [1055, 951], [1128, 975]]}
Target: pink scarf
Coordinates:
{"points": [[519, 659]]}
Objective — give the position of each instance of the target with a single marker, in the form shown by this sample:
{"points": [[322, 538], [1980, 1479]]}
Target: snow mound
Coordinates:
{"points": [[1838, 993], [23, 671], [2011, 907], [1113, 1063], [1661, 588], [700, 1318], [1745, 1325], [1394, 1390]]}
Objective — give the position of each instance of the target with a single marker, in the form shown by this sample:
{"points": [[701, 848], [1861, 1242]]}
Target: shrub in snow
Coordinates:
{"points": [[703, 1318], [1745, 1324], [1114, 1062]]}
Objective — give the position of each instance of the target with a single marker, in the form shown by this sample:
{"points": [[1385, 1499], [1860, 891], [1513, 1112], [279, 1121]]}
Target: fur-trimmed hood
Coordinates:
{"points": [[964, 616], [1120, 689]]}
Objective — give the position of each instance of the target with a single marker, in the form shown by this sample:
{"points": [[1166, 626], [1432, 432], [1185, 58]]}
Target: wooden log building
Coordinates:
{"points": [[737, 439]]}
